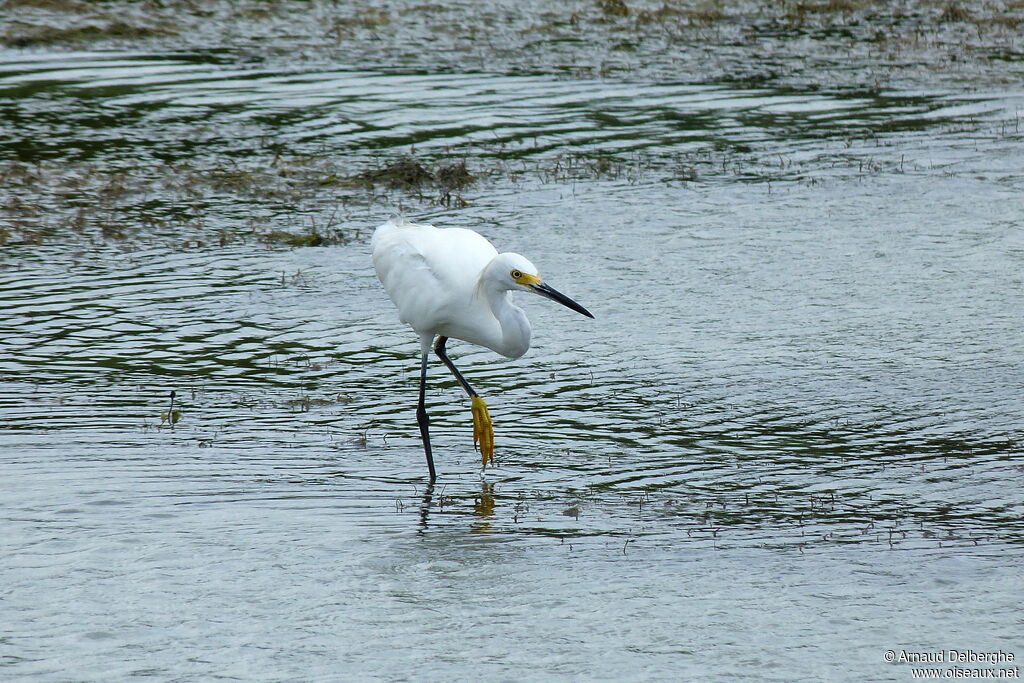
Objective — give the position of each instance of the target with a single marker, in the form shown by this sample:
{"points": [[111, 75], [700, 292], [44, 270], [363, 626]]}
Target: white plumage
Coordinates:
{"points": [[451, 282], [446, 281]]}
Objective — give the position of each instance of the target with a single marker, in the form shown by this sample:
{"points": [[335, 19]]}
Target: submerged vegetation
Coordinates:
{"points": [[858, 43], [82, 33], [205, 191], [180, 202]]}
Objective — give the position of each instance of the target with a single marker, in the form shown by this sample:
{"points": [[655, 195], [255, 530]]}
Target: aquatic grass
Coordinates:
{"points": [[813, 41], [732, 513], [405, 174], [35, 35], [311, 237], [366, 18], [670, 13], [219, 202], [954, 13], [411, 175], [613, 8]]}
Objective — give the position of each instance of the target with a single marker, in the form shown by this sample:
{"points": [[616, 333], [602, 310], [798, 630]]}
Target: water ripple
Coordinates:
{"points": [[182, 97]]}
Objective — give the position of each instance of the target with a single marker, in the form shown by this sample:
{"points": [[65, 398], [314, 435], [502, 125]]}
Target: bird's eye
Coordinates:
{"points": [[516, 274]]}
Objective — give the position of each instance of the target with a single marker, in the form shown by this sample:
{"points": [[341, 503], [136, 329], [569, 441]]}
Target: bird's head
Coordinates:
{"points": [[516, 272]]}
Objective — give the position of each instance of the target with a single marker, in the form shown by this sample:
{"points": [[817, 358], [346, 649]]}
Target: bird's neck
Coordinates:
{"points": [[515, 328]]}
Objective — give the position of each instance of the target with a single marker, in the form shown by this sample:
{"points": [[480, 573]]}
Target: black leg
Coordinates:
{"points": [[423, 419], [439, 350], [483, 431]]}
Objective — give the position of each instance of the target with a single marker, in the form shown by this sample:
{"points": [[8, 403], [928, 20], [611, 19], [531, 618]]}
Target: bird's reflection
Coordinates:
{"points": [[483, 507], [428, 497]]}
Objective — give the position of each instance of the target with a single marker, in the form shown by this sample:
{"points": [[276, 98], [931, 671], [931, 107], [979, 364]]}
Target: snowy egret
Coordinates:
{"points": [[453, 283]]}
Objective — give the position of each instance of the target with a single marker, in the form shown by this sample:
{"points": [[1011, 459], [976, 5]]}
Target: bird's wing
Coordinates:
{"points": [[457, 256], [431, 274], [404, 271]]}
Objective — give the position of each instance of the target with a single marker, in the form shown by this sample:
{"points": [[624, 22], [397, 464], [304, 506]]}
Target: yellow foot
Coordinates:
{"points": [[483, 431]]}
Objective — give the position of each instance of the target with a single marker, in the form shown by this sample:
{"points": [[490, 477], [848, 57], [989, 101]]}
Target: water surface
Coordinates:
{"points": [[789, 441]]}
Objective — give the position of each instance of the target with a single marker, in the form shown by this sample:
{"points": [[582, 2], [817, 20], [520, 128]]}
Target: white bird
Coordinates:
{"points": [[453, 283]]}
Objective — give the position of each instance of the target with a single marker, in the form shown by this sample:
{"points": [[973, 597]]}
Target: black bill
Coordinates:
{"points": [[555, 295]]}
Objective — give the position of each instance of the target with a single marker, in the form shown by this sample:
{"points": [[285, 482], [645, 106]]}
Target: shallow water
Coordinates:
{"points": [[789, 441]]}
